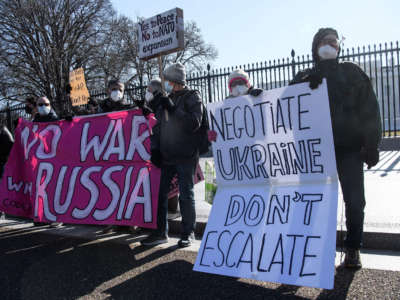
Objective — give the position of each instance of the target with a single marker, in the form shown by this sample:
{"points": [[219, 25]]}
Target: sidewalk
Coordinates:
{"points": [[382, 211]]}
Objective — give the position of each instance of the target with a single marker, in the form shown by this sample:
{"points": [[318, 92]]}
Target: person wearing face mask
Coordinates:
{"points": [[153, 97], [45, 113], [239, 85], [178, 139], [356, 126], [115, 100]]}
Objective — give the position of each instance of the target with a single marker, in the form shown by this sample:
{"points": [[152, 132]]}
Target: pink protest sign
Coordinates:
{"points": [[93, 170]]}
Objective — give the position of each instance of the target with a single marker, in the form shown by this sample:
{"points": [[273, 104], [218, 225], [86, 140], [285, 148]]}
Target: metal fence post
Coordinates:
{"points": [[209, 83], [293, 64]]}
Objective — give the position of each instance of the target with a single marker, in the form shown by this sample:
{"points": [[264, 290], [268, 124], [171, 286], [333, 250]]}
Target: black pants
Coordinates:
{"points": [[351, 177]]}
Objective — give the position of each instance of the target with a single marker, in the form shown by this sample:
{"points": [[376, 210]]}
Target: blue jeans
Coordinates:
{"points": [[186, 197], [351, 177]]}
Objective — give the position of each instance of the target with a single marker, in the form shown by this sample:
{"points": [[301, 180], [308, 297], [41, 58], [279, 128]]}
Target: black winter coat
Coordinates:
{"points": [[6, 143], [51, 117], [109, 106], [353, 105], [178, 137]]}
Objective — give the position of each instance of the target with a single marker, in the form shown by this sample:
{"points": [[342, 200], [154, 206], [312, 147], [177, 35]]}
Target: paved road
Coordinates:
{"points": [[37, 265]]}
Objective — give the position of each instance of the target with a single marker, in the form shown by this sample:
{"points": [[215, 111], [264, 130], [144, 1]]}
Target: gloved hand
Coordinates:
{"points": [[167, 103], [156, 158], [315, 79], [370, 156], [212, 135], [69, 118], [146, 110], [255, 92]]}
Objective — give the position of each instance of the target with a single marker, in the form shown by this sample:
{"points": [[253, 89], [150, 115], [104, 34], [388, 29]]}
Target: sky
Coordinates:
{"points": [[252, 31]]}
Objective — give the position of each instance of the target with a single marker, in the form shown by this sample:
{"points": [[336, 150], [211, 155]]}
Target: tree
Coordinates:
{"points": [[119, 56], [42, 40], [196, 53]]}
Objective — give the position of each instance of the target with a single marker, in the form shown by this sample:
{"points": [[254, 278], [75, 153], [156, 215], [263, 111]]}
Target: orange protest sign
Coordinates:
{"points": [[79, 92]]}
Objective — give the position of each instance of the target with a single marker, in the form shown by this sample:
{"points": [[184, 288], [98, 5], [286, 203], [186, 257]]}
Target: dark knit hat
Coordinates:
{"points": [[155, 85], [322, 32], [175, 73]]}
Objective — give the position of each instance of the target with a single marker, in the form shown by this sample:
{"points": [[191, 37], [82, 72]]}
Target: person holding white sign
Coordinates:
{"points": [[238, 85], [356, 126], [178, 137]]}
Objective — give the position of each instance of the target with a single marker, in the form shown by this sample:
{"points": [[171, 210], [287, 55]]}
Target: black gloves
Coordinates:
{"points": [[69, 118], [315, 79], [255, 92], [167, 103], [370, 156], [145, 109], [156, 158]]}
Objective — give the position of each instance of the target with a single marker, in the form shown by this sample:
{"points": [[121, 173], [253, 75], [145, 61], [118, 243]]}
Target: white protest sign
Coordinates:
{"points": [[274, 213], [161, 34]]}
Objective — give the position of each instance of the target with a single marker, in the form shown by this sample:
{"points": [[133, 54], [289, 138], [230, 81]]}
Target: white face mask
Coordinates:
{"points": [[327, 52], [44, 110], [239, 90], [148, 96], [116, 96]]}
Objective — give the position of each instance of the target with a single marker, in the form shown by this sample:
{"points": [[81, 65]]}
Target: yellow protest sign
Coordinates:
{"points": [[79, 92]]}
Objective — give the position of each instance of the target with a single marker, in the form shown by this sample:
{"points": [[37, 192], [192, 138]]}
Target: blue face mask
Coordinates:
{"points": [[168, 87]]}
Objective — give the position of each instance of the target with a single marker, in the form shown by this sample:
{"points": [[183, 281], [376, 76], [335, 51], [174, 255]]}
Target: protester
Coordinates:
{"points": [[116, 102], [180, 117], [153, 96], [6, 141], [238, 85], [356, 128], [45, 112]]}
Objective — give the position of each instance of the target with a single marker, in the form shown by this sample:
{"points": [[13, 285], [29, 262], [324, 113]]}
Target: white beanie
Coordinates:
{"points": [[238, 74]]}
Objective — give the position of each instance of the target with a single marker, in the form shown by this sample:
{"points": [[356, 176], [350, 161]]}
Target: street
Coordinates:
{"points": [[41, 263]]}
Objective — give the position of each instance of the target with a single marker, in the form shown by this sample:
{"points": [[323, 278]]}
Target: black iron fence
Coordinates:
{"points": [[380, 62]]}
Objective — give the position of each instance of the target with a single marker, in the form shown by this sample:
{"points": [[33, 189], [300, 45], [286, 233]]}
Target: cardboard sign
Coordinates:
{"points": [[274, 213], [93, 170], [79, 94], [161, 34]]}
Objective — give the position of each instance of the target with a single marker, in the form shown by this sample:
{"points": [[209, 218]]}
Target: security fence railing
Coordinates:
{"points": [[380, 62]]}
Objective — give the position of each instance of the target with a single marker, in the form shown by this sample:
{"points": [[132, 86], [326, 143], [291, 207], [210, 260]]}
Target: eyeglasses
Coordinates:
{"points": [[45, 104]]}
